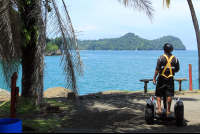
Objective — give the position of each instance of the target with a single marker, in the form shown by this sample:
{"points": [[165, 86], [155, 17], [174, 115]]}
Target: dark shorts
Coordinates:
{"points": [[165, 87]]}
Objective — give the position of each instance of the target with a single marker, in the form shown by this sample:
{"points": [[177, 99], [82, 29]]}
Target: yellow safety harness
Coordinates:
{"points": [[168, 65]]}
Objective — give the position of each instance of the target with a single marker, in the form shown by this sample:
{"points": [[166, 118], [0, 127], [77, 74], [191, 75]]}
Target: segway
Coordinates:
{"points": [[150, 112]]}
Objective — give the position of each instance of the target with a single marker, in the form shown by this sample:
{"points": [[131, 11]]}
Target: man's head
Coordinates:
{"points": [[168, 48]]}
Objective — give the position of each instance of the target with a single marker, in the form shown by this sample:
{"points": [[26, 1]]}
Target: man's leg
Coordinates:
{"points": [[169, 100], [169, 92], [159, 103]]}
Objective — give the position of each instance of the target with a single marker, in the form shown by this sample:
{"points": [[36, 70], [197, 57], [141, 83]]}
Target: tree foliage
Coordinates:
{"points": [[51, 47], [130, 41], [53, 44], [23, 25]]}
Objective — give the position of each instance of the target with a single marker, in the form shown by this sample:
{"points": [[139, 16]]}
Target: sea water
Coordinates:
{"points": [[117, 70]]}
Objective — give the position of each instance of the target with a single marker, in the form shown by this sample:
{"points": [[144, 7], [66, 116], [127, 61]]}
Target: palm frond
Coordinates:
{"points": [[78, 62], [12, 42], [37, 78], [140, 5], [167, 3], [10, 27], [72, 64]]}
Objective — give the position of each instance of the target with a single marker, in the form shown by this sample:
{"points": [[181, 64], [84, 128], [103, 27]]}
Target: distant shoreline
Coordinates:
{"points": [[122, 50], [134, 50], [3, 90]]}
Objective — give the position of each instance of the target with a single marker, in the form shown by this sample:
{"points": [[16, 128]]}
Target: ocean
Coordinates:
{"points": [[117, 70]]}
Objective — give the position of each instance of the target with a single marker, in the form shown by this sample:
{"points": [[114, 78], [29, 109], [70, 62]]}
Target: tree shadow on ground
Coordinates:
{"points": [[118, 113]]}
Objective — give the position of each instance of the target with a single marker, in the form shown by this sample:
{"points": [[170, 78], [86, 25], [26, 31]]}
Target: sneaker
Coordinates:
{"points": [[158, 112]]}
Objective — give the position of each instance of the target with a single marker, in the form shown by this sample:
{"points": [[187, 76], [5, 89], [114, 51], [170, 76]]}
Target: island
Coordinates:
{"points": [[130, 41]]}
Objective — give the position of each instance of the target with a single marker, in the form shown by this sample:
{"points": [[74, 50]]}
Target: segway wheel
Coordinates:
{"points": [[149, 116], [179, 115]]}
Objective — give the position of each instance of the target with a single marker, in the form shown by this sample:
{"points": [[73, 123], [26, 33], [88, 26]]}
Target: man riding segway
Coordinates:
{"points": [[167, 66]]}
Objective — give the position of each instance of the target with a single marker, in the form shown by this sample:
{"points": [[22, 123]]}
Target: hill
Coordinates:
{"points": [[130, 41]]}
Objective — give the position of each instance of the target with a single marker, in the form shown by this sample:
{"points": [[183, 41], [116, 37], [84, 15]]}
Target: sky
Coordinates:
{"points": [[109, 19]]}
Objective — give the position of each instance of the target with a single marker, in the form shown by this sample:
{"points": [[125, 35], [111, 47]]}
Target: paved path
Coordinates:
{"points": [[131, 109]]}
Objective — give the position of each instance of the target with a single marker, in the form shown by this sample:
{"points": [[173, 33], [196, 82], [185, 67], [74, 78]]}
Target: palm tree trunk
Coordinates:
{"points": [[28, 51], [40, 95], [28, 56], [196, 27]]}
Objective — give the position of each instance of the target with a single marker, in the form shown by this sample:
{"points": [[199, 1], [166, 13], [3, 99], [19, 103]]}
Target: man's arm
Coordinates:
{"points": [[155, 75], [177, 66], [157, 70]]}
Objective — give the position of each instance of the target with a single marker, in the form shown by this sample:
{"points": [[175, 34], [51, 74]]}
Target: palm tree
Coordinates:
{"points": [[22, 35], [196, 27], [23, 25]]}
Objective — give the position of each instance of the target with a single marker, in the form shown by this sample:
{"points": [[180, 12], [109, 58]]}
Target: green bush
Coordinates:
{"points": [[51, 47]]}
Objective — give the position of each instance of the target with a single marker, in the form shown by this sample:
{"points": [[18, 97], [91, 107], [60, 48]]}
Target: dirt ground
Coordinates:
{"points": [[125, 113], [119, 112]]}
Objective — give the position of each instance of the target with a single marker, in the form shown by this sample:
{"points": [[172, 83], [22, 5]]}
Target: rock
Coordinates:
{"points": [[53, 52], [47, 54], [94, 95], [4, 93], [56, 92], [98, 94], [64, 94]]}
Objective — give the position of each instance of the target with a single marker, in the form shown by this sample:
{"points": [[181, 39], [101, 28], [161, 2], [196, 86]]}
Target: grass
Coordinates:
{"points": [[5, 107], [26, 107], [57, 103], [43, 125], [150, 90]]}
